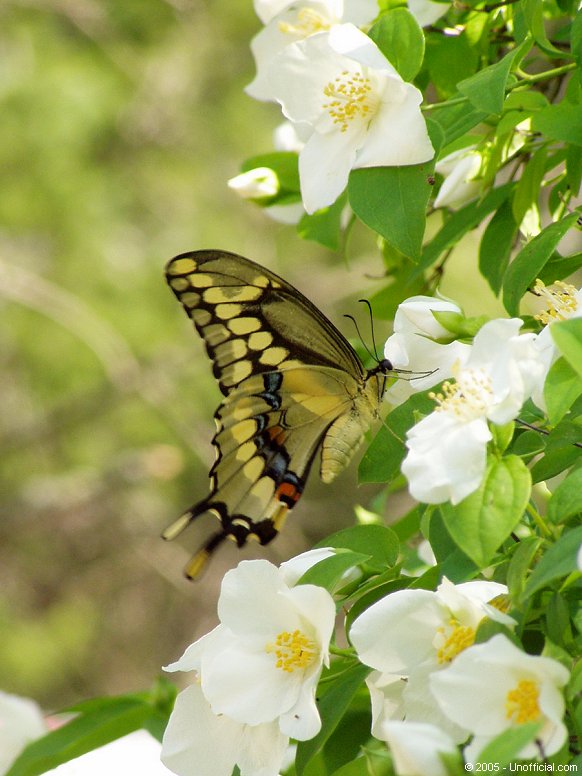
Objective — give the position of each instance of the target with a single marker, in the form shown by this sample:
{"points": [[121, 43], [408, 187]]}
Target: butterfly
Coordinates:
{"points": [[292, 385]]}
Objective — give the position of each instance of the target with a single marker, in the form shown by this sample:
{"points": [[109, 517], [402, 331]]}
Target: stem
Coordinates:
{"points": [[525, 81], [539, 521], [545, 76], [446, 103]]}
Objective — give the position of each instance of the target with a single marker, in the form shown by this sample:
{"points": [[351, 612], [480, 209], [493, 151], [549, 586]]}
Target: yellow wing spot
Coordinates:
{"points": [[226, 311], [245, 452], [216, 295], [231, 351], [244, 430], [262, 281], [182, 267], [253, 469], [215, 334], [201, 317], [273, 356], [190, 299], [260, 340], [200, 280], [179, 284], [236, 372], [244, 325], [263, 489]]}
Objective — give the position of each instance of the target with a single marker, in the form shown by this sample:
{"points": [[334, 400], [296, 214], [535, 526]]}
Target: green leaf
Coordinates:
{"points": [[381, 461], [457, 119], [528, 263], [527, 190], [533, 12], [401, 40], [557, 562], [107, 720], [486, 89], [392, 201], [328, 573], [496, 245], [450, 59], [568, 337], [560, 267], [555, 461], [460, 223], [331, 708], [482, 521], [378, 542], [520, 563], [574, 165], [562, 387], [566, 501], [576, 42], [561, 122], [507, 745], [324, 226]]}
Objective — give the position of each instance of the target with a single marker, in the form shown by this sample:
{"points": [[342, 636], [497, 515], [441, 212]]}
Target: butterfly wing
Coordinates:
{"points": [[288, 377]]}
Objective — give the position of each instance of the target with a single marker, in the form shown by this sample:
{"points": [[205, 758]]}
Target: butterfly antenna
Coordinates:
{"points": [[368, 351], [369, 306]]}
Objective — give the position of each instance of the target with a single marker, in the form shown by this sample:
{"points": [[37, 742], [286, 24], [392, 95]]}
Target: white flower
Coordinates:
{"points": [[138, 752], [459, 170], [296, 21], [285, 138], [563, 301], [357, 11], [412, 346], [512, 688], [263, 662], [447, 450], [339, 86], [255, 184], [21, 722], [416, 748], [198, 742], [427, 12], [412, 633]]}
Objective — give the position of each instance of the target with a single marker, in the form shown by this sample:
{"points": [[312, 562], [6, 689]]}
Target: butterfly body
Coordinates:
{"points": [[292, 384]]}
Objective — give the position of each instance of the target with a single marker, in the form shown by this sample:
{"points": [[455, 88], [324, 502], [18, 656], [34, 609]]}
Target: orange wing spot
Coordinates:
{"points": [[277, 434], [288, 493]]}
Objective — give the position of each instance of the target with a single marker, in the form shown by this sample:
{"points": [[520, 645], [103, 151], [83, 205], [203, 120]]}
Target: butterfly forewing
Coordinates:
{"points": [[251, 320], [289, 378]]}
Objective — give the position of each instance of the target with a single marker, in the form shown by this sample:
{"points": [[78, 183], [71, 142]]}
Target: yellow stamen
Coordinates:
{"points": [[293, 650], [456, 638], [351, 98], [522, 702], [308, 23], [560, 298], [468, 397]]}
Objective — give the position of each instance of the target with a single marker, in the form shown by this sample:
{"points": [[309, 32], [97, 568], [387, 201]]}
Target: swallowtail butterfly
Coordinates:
{"points": [[292, 385]]}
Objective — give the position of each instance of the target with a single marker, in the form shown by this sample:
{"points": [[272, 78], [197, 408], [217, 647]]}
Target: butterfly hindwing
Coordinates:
{"points": [[292, 385]]}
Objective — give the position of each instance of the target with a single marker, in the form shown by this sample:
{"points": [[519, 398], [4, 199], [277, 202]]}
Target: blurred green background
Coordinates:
{"points": [[120, 125]]}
